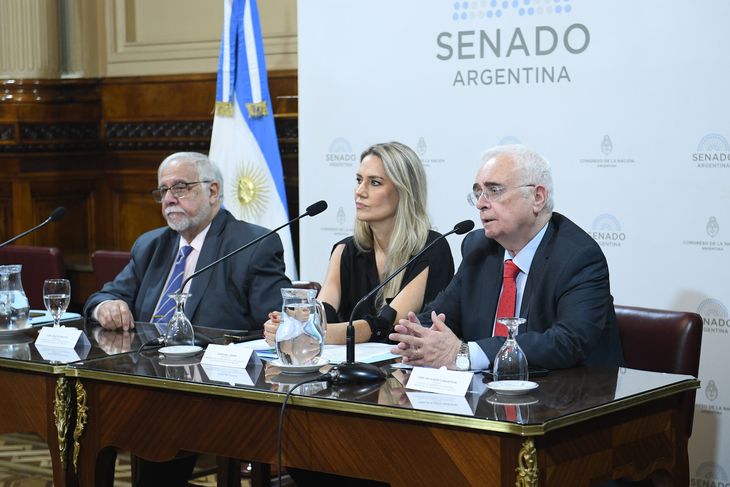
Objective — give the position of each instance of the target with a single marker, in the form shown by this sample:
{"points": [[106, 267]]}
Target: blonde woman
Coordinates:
{"points": [[391, 225]]}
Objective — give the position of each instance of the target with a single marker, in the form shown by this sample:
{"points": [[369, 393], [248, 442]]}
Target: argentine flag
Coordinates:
{"points": [[244, 143]]}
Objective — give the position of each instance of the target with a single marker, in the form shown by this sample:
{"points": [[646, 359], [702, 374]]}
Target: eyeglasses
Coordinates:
{"points": [[492, 193], [178, 190]]}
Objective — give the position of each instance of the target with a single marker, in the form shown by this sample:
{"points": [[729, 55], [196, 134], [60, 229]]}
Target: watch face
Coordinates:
{"points": [[462, 362]]}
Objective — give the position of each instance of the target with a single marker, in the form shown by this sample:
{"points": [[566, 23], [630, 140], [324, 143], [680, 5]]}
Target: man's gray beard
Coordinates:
{"points": [[189, 222]]}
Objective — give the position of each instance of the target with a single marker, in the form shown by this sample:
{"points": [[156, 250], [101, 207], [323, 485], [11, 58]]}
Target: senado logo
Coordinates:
{"points": [[714, 316], [711, 392], [606, 230], [340, 153], [479, 36], [709, 474], [713, 151]]}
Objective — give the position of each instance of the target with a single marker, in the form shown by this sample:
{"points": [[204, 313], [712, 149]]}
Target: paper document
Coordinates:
{"points": [[364, 352]]}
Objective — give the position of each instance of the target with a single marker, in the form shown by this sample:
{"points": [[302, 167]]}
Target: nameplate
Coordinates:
{"points": [[229, 375], [226, 356], [440, 403], [60, 337], [440, 381]]}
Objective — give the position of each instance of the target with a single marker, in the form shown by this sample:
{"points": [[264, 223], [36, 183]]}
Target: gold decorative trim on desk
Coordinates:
{"points": [[527, 465], [380, 410], [61, 413], [82, 417], [53, 369]]}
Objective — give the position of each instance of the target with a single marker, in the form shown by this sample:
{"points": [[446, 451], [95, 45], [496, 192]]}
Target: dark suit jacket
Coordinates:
{"points": [[567, 299], [235, 294]]}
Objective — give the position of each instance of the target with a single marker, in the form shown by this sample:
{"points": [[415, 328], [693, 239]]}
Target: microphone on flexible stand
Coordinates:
{"points": [[351, 372], [312, 210], [56, 215]]}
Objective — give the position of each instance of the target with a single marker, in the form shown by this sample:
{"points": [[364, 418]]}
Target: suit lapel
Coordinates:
{"points": [[157, 273], [491, 286], [537, 268], [209, 253]]}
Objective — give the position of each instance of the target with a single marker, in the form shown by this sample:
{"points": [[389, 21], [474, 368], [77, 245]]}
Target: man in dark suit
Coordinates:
{"points": [[236, 294], [561, 284]]}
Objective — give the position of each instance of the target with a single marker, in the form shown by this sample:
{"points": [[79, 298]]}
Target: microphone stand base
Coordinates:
{"points": [[356, 373]]}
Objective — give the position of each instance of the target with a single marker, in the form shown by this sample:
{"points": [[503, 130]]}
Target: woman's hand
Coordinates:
{"points": [[271, 326]]}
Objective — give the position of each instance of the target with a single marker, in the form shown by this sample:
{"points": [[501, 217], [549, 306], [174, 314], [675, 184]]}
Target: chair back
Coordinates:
{"points": [[107, 264], [39, 264], [662, 341]]}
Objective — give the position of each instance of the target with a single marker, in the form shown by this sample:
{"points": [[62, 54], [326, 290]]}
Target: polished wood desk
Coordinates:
{"points": [[36, 396], [580, 427]]}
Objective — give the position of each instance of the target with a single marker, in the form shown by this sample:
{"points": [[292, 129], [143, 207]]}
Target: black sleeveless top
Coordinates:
{"points": [[359, 275]]}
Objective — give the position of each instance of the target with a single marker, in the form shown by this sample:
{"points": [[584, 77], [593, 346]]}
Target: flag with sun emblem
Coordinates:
{"points": [[244, 143]]}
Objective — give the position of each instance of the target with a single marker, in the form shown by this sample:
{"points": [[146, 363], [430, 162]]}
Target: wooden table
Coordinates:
{"points": [[36, 396], [581, 426]]}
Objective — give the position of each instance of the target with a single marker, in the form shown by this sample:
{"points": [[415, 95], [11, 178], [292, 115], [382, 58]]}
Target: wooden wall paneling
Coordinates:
{"points": [[74, 234], [6, 210], [135, 211]]}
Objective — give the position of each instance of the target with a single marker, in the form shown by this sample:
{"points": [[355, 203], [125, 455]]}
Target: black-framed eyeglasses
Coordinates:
{"points": [[178, 190], [492, 193]]}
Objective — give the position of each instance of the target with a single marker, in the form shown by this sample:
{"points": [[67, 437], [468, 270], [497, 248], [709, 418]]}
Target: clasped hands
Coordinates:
{"points": [[436, 346]]}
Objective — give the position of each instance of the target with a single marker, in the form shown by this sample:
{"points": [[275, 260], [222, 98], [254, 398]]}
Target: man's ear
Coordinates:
{"points": [[214, 189], [540, 198]]}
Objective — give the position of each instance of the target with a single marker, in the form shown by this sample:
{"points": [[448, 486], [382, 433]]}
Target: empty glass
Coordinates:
{"points": [[179, 329], [56, 296], [511, 362]]}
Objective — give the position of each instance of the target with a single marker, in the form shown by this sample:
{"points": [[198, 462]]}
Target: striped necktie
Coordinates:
{"points": [[164, 310]]}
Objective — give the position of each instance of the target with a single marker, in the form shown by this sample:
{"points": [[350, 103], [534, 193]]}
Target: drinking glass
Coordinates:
{"points": [[179, 329], [511, 362], [56, 296]]}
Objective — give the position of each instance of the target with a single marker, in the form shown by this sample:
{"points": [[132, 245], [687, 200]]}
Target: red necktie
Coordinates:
{"points": [[506, 306]]}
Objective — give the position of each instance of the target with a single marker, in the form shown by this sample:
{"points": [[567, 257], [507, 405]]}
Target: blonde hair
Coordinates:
{"points": [[411, 226]]}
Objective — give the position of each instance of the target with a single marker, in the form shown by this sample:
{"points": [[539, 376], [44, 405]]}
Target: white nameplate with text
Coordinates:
{"points": [[229, 375], [226, 356], [60, 337], [441, 403], [440, 381]]}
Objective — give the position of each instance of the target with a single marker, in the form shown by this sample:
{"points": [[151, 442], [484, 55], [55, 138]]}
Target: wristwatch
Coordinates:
{"points": [[463, 362]]}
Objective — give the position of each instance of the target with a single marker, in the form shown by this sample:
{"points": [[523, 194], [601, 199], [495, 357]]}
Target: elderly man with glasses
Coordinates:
{"points": [[236, 294], [527, 261]]}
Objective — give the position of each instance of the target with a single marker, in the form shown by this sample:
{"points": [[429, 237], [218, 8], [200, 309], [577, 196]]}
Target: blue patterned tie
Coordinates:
{"points": [[164, 310]]}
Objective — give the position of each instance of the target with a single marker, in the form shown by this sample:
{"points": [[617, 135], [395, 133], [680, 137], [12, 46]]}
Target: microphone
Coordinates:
{"points": [[55, 216], [312, 210], [351, 372]]}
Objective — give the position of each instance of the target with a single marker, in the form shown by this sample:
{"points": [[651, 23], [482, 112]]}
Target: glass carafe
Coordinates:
{"points": [[179, 329], [300, 336], [511, 362], [13, 302]]}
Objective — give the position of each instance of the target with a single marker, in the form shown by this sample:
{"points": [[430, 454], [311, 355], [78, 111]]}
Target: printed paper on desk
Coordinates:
{"points": [[60, 337], [440, 403], [226, 356], [368, 353], [440, 381], [229, 375]]}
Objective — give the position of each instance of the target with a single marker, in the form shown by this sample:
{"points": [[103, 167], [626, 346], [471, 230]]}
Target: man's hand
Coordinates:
{"points": [[433, 347], [115, 314], [271, 326]]}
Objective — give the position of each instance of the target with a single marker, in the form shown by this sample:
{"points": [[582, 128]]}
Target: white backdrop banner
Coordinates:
{"points": [[628, 101]]}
